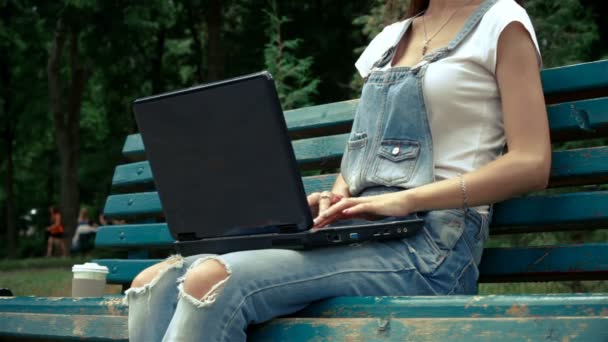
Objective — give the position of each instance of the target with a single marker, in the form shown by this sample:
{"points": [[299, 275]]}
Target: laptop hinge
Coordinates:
{"points": [[288, 228], [186, 237]]}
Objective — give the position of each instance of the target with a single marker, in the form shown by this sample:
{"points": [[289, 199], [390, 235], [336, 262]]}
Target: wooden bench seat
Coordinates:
{"points": [[535, 317], [577, 200]]}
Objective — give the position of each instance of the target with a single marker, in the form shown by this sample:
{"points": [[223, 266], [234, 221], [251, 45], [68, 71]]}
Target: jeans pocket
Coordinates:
{"points": [[395, 161], [424, 251], [476, 233], [446, 227]]}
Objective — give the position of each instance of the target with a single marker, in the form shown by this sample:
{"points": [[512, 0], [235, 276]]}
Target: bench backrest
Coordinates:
{"points": [[577, 108]]}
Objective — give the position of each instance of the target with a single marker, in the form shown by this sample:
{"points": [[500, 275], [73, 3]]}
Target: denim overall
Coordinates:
{"points": [[390, 148]]}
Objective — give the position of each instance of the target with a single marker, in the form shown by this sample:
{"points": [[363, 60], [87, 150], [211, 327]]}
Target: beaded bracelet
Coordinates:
{"points": [[463, 190]]}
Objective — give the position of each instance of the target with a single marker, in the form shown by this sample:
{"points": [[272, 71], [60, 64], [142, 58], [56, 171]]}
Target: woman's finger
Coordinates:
{"points": [[313, 199], [335, 198], [322, 222], [359, 209], [325, 201], [337, 208]]}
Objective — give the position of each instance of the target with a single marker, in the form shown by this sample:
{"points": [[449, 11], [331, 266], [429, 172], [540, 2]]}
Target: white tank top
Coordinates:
{"points": [[460, 91]]}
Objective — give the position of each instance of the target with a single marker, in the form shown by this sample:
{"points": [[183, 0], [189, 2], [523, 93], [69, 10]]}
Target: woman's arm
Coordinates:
{"points": [[340, 187], [525, 167]]}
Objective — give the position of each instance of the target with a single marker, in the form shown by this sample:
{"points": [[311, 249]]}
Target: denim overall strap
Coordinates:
{"points": [[468, 27], [473, 20], [390, 146]]}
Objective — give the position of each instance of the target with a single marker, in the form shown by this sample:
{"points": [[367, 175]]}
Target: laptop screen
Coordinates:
{"points": [[222, 161]]}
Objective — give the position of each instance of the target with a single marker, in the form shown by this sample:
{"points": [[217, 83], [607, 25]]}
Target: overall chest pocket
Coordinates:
{"points": [[353, 155], [395, 161]]}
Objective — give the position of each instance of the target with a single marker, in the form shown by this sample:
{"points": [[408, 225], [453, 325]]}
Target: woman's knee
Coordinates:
{"points": [[149, 274], [205, 277]]}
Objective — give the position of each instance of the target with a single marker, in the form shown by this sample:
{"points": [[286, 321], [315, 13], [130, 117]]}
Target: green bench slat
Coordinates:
{"points": [[567, 120], [570, 167], [322, 118], [536, 305], [64, 327], [108, 305], [133, 148], [157, 235], [582, 209], [580, 166], [310, 153], [143, 203], [433, 329], [460, 306], [317, 152], [134, 235], [122, 271], [331, 118], [575, 77], [579, 119], [543, 263], [111, 313], [588, 261], [114, 328]]}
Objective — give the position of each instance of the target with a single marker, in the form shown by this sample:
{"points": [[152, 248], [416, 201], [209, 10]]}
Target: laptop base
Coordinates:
{"points": [[303, 240]]}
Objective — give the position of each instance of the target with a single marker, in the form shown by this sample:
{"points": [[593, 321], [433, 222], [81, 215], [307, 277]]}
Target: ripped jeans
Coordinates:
{"points": [[262, 284]]}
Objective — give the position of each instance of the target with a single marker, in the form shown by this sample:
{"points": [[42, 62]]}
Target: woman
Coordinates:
{"points": [[55, 233], [85, 229], [445, 91]]}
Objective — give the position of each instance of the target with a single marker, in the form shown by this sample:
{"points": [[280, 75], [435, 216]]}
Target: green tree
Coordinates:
{"points": [[292, 76], [21, 114], [565, 30]]}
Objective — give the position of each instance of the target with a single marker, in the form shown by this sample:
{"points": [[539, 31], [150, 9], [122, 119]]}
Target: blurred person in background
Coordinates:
{"points": [[55, 233]]}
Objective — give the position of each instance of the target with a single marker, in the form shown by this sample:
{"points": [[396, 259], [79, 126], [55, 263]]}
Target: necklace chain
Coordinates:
{"points": [[427, 40]]}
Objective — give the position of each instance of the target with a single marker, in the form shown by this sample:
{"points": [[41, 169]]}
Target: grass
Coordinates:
{"points": [[48, 277], [52, 277], [544, 287]]}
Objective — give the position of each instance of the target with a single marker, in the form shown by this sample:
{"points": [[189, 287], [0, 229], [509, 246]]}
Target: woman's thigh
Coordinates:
{"points": [[262, 284], [267, 283]]}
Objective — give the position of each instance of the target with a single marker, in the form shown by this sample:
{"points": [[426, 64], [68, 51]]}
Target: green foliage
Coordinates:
{"points": [[291, 73], [133, 49], [382, 13], [565, 30]]}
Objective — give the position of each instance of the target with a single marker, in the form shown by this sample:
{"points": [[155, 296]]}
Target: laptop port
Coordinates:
{"points": [[377, 233], [333, 237], [387, 232]]}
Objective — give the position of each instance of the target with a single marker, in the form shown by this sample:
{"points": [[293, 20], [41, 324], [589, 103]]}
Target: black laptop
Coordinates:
{"points": [[227, 176]]}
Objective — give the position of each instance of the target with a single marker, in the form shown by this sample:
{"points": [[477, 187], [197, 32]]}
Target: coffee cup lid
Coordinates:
{"points": [[90, 267]]}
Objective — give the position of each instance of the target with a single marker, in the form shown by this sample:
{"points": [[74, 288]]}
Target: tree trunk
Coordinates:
{"points": [[66, 120], [11, 222], [196, 39], [215, 51], [9, 138], [158, 84]]}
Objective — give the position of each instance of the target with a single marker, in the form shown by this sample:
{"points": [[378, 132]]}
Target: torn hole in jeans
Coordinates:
{"points": [[212, 294], [173, 262]]}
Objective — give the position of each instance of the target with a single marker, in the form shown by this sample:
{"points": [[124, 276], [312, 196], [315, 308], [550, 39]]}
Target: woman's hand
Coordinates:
{"points": [[321, 201], [393, 204]]}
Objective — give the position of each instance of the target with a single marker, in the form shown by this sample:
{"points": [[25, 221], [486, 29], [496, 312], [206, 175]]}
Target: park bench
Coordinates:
{"points": [[577, 98]]}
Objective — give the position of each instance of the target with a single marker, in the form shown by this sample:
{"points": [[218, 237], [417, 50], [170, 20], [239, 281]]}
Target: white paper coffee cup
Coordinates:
{"points": [[89, 280]]}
